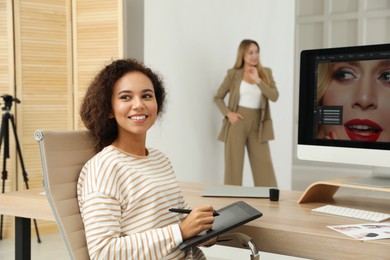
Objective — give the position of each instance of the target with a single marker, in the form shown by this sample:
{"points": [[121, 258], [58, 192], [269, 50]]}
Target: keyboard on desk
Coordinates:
{"points": [[352, 213]]}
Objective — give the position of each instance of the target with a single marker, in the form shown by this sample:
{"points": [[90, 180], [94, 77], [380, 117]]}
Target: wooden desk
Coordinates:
{"points": [[25, 205], [286, 226], [290, 228]]}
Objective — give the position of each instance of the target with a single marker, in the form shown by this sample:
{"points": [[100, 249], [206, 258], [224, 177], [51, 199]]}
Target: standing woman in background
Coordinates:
{"points": [[247, 121]]}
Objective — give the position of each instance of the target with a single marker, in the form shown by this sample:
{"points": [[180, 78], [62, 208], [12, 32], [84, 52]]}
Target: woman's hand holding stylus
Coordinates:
{"points": [[200, 219]]}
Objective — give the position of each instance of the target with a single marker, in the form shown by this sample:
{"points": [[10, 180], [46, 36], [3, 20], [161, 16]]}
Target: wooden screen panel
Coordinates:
{"points": [[6, 87], [6, 45], [43, 70], [44, 75], [6, 78], [97, 39]]}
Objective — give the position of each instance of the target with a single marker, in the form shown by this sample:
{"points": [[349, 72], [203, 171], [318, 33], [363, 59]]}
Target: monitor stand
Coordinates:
{"points": [[380, 178], [323, 191]]}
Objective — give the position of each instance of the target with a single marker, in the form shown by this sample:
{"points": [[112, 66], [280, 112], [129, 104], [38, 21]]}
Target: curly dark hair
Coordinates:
{"points": [[96, 106]]}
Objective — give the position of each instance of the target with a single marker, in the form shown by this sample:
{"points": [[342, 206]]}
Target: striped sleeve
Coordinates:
{"points": [[103, 232]]}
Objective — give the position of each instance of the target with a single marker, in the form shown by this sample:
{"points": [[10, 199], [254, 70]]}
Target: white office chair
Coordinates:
{"points": [[63, 154]]}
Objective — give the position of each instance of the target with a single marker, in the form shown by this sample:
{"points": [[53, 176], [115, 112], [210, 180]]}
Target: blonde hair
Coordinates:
{"points": [[242, 50], [324, 78]]}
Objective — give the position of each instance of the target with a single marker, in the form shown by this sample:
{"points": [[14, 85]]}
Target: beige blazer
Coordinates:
{"points": [[231, 85]]}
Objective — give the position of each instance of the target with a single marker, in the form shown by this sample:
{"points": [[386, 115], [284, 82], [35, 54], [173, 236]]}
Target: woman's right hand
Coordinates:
{"points": [[200, 219], [234, 117]]}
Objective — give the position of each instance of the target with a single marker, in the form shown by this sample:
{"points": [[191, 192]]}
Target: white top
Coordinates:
{"points": [[249, 95], [124, 201]]}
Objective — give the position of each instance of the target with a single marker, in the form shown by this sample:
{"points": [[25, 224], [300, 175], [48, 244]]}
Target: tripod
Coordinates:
{"points": [[4, 136]]}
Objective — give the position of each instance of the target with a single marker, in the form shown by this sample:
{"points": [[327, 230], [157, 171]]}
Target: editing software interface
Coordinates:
{"points": [[348, 88]]}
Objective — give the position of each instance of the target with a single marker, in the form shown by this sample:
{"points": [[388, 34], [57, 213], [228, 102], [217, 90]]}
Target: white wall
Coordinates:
{"points": [[191, 44]]}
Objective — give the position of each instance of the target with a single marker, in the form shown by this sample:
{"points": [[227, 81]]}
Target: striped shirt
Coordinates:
{"points": [[124, 201]]}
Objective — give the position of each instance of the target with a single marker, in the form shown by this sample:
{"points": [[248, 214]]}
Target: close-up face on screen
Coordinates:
{"points": [[353, 99]]}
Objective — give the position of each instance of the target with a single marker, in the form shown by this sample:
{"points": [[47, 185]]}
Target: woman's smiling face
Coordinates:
{"points": [[134, 104], [362, 88]]}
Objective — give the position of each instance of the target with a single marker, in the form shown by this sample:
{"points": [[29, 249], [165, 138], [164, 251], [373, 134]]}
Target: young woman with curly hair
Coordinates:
{"points": [[126, 189]]}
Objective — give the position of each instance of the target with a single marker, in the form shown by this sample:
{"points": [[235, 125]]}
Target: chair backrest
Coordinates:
{"points": [[63, 154]]}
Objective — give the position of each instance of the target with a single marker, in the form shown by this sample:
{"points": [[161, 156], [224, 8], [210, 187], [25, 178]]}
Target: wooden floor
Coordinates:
{"points": [[51, 247]]}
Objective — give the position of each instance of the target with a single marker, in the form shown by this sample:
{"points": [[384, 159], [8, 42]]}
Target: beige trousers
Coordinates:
{"points": [[244, 133]]}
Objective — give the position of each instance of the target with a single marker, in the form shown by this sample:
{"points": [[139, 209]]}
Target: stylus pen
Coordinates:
{"points": [[188, 211]]}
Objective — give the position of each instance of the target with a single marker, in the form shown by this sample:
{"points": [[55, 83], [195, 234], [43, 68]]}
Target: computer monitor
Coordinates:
{"points": [[344, 108]]}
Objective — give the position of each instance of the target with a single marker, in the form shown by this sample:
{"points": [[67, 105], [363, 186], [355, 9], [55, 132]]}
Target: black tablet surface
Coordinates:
{"points": [[230, 217]]}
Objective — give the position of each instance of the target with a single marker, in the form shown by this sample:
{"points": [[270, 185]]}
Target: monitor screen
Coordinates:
{"points": [[344, 105]]}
